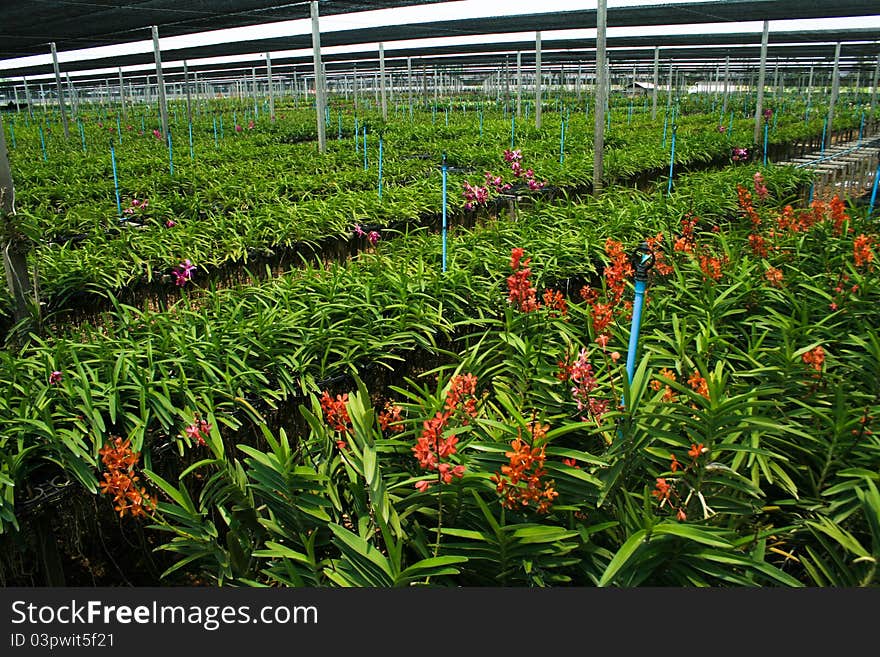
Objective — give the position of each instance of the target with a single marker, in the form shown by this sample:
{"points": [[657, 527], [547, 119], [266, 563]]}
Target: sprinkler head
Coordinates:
{"points": [[642, 259]]}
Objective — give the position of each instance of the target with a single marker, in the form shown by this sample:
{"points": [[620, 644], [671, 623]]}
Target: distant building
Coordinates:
{"points": [[637, 89]]}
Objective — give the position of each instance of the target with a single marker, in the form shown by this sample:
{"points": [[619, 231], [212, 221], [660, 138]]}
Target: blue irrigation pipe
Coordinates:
{"points": [[170, 153], [43, 144], [82, 135], [766, 129], [216, 143], [365, 148], [447, 116], [192, 152], [874, 193], [824, 130], [443, 169], [642, 260], [671, 160], [380, 167], [115, 180], [357, 143], [481, 123], [665, 125], [562, 141], [512, 129]]}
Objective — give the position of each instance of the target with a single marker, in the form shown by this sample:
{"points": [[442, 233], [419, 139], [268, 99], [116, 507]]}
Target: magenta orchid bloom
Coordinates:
{"points": [[373, 237], [183, 273], [55, 378]]}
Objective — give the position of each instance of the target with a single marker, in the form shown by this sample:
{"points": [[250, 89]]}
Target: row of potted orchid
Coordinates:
{"points": [[512, 461]]}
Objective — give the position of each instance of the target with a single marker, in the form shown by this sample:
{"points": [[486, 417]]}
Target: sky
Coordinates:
{"points": [[413, 15]]}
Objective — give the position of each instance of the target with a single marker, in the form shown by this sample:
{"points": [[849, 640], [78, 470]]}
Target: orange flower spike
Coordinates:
{"points": [[697, 450], [698, 383], [662, 489]]}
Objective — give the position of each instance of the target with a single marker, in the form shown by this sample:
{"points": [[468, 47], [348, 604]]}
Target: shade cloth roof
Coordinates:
{"points": [[98, 22]]}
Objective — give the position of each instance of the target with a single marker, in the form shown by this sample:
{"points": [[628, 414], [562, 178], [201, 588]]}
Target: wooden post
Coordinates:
{"points": [[60, 91], [538, 80], [762, 71], [28, 100], [271, 87], [874, 85], [12, 242], [656, 82], [160, 82], [601, 92], [726, 87], [319, 82], [189, 116], [409, 82], [518, 84], [382, 81], [835, 89], [122, 97]]}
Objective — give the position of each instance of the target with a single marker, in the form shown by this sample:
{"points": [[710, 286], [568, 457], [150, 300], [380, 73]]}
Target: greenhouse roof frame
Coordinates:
{"points": [[860, 45]]}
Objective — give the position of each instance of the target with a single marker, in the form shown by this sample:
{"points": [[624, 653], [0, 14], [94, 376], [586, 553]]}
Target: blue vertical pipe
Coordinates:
{"points": [[380, 167], [665, 126], [216, 143], [443, 169], [643, 261], [43, 144], [170, 154], [671, 161], [115, 180], [192, 153], [766, 128], [357, 142], [562, 141], [512, 129], [365, 148], [824, 130], [481, 123], [873, 193], [82, 135]]}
